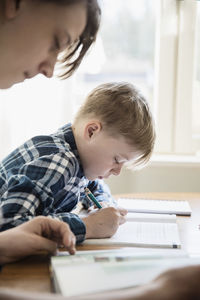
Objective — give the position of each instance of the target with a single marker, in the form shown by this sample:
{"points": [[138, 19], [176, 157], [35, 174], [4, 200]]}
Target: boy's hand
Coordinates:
{"points": [[104, 222]]}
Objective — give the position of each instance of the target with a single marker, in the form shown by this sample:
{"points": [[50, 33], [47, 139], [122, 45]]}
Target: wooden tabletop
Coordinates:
{"points": [[33, 274]]}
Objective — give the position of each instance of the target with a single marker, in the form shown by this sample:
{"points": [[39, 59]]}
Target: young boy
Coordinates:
{"points": [[48, 175]]}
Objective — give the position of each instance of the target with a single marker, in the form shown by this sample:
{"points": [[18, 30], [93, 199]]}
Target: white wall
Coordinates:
{"points": [[157, 179]]}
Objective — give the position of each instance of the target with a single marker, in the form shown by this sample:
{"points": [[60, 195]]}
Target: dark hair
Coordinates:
{"points": [[71, 60]]}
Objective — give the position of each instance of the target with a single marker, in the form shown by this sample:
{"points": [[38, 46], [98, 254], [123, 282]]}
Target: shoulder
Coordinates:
{"points": [[53, 144]]}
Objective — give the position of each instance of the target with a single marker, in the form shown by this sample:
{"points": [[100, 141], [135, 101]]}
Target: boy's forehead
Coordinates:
{"points": [[128, 156], [120, 141], [127, 152], [124, 149]]}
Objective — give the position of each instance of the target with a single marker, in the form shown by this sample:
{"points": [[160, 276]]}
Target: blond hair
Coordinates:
{"points": [[123, 111]]}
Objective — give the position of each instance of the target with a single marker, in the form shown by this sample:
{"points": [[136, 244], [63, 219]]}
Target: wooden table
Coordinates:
{"points": [[33, 274]]}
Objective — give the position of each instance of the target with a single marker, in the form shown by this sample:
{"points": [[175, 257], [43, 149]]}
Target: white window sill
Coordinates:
{"points": [[175, 160]]}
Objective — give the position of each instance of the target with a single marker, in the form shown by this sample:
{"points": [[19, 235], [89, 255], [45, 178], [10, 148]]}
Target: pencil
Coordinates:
{"points": [[92, 198]]}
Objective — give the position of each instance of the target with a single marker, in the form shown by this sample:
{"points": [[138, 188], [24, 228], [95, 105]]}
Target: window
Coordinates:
{"points": [[32, 108], [196, 82], [125, 48], [178, 83], [187, 131]]}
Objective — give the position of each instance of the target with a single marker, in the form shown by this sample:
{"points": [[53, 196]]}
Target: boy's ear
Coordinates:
{"points": [[92, 129], [11, 8]]}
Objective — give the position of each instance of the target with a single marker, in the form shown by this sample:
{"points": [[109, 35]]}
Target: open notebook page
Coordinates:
{"points": [[142, 234]]}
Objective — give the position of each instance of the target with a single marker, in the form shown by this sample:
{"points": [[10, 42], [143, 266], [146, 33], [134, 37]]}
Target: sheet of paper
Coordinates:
{"points": [[142, 234], [144, 217], [178, 207]]}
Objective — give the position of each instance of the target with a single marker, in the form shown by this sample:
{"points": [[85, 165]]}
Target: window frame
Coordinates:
{"points": [[175, 53]]}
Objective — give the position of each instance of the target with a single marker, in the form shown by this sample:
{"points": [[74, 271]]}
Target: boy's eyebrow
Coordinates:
{"points": [[125, 157], [122, 157]]}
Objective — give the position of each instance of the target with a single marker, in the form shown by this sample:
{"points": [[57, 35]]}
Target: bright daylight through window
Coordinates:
{"points": [[148, 43]]}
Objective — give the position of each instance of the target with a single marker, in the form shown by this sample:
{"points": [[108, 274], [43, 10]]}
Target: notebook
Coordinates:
{"points": [[147, 230], [156, 218], [178, 207], [95, 271]]}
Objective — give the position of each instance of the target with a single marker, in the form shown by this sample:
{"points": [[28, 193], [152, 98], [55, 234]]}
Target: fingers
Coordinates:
{"points": [[105, 204], [118, 213], [94, 207], [122, 220], [53, 231], [68, 238], [122, 211], [64, 234]]}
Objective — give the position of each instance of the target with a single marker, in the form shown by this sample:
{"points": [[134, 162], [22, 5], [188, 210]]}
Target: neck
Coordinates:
{"points": [[78, 132]]}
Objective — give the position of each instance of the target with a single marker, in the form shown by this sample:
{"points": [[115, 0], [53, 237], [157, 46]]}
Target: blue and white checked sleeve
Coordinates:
{"points": [[32, 192]]}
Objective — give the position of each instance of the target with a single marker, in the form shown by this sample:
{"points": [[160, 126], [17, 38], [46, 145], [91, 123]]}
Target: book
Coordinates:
{"points": [[96, 271], [178, 207], [143, 232]]}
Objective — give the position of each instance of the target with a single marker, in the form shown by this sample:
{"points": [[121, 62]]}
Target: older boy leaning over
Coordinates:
{"points": [[48, 174]]}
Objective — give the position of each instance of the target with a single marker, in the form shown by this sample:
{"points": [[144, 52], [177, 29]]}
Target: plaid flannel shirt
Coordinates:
{"points": [[44, 177]]}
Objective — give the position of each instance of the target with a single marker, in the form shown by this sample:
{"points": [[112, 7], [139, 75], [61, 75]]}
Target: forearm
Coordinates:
{"points": [[130, 294], [8, 247], [154, 290], [143, 293], [17, 295]]}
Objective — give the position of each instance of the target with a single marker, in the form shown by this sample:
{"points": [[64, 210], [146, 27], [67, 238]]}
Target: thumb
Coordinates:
{"points": [[122, 220], [122, 211]]}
